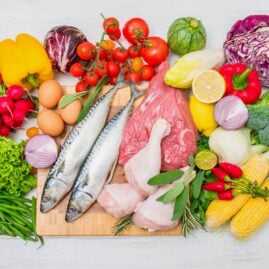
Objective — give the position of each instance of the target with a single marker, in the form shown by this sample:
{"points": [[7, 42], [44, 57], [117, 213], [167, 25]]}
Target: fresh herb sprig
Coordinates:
{"points": [[122, 225]]}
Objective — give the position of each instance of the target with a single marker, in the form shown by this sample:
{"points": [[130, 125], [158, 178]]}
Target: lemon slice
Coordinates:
{"points": [[206, 159], [208, 86]]}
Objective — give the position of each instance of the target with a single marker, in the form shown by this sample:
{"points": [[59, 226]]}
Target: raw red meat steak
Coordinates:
{"points": [[161, 101]]}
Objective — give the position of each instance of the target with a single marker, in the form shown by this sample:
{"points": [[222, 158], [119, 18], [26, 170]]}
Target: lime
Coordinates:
{"points": [[206, 159]]}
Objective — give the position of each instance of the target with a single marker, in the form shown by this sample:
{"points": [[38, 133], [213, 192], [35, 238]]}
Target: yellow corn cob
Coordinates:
{"points": [[219, 211], [251, 216]]}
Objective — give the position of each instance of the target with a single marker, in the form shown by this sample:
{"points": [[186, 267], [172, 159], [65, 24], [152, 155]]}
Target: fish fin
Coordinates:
{"points": [[135, 92], [112, 171]]}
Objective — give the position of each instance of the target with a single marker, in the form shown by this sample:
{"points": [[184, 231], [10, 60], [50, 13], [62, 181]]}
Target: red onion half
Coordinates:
{"points": [[41, 151], [231, 113]]}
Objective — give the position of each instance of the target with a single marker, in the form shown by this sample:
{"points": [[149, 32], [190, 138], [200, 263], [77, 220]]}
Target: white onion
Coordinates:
{"points": [[231, 113], [41, 151]]}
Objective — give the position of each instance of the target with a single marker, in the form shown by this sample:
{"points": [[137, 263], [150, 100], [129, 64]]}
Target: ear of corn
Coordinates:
{"points": [[251, 216], [219, 212]]}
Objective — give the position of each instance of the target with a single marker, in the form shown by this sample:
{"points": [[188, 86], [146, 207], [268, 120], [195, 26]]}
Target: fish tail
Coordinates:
{"points": [[135, 92]]}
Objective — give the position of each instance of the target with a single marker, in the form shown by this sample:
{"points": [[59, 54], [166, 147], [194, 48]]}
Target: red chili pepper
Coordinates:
{"points": [[241, 81], [232, 170], [219, 174], [217, 186], [227, 195]]}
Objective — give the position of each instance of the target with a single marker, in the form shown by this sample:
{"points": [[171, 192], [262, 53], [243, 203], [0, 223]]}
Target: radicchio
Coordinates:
{"points": [[61, 43], [248, 42]]}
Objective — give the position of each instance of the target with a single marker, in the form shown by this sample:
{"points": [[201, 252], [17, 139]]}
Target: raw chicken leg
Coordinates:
{"points": [[153, 215], [119, 200], [147, 162]]}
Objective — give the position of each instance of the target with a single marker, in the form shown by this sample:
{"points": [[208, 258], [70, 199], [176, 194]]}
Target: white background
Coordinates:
{"points": [[203, 250]]}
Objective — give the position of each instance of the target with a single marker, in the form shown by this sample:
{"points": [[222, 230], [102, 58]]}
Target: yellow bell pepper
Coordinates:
{"points": [[24, 62]]}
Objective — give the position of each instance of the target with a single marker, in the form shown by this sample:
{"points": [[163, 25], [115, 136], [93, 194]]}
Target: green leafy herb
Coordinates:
{"points": [[191, 160], [202, 142], [166, 178], [196, 184], [180, 204], [122, 225], [94, 93], [69, 98], [15, 175], [172, 194]]}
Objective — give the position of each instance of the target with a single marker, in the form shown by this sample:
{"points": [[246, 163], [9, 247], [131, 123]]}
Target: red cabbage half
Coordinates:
{"points": [[61, 43], [248, 43]]}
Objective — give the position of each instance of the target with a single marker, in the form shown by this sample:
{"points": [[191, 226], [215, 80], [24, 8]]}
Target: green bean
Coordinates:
{"points": [[6, 229], [14, 207]]}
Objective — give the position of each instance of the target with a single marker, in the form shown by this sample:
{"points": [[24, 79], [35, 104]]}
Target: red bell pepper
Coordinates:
{"points": [[241, 81]]}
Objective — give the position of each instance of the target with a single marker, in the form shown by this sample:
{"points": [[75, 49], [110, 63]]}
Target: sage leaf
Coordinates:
{"points": [[69, 98], [94, 93], [166, 178], [191, 160], [173, 193], [180, 204], [197, 184]]}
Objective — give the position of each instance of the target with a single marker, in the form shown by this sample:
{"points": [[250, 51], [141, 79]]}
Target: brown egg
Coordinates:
{"points": [[50, 122], [49, 93], [70, 112]]}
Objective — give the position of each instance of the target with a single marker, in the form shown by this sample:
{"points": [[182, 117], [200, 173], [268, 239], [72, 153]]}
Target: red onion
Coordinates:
{"points": [[231, 113], [41, 151]]}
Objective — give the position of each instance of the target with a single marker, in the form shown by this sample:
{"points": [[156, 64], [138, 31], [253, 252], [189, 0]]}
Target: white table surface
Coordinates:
{"points": [[203, 250]]}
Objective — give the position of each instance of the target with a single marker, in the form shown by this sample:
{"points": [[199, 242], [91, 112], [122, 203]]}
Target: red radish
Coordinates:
{"points": [[18, 115], [24, 105], [6, 104], [217, 186], [4, 130], [17, 124], [232, 170], [227, 195], [8, 119], [15, 92], [219, 174]]}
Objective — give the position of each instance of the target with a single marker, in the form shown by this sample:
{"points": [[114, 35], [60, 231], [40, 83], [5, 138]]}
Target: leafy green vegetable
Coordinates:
{"points": [[180, 204], [259, 118], [69, 98], [94, 93], [196, 184], [15, 175], [172, 194], [202, 142], [166, 177]]}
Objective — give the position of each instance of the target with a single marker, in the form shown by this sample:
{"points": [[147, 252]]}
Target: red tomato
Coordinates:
{"points": [[102, 54], [101, 68], [76, 70], [120, 54], [133, 76], [81, 86], [135, 30], [116, 35], [86, 51], [147, 72], [113, 80], [91, 78], [154, 50], [113, 69], [111, 25], [134, 51], [109, 55]]}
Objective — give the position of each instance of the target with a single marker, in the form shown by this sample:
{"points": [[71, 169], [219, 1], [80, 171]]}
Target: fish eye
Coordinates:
{"points": [[46, 198], [71, 209]]}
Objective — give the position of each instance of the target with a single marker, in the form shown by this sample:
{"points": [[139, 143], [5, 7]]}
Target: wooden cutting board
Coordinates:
{"points": [[95, 221]]}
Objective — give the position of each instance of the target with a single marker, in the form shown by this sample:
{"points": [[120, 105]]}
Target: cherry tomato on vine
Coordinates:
{"points": [[101, 68], [134, 51], [134, 76], [136, 64], [113, 69], [91, 78], [154, 50], [81, 86], [107, 44], [109, 56], [111, 25], [120, 54], [126, 68], [113, 80], [76, 70], [147, 72], [86, 51], [135, 30], [102, 54], [116, 35]]}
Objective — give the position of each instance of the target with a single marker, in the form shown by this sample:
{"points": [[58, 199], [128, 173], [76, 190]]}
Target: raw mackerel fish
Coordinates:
{"points": [[161, 101]]}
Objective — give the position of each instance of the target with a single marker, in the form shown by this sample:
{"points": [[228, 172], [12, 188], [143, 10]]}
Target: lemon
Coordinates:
{"points": [[208, 86], [206, 159], [203, 116]]}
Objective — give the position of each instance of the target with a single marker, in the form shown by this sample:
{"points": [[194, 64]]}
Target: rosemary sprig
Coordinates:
{"points": [[190, 222], [122, 225]]}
